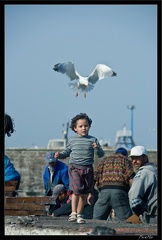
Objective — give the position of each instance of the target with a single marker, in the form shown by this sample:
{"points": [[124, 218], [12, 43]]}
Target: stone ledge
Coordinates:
{"points": [[46, 225]]}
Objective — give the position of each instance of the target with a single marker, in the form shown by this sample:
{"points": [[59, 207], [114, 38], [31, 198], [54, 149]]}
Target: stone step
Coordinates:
{"points": [[47, 225]]}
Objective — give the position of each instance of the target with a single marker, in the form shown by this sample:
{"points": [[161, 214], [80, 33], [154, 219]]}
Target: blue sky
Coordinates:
{"points": [[124, 37]]}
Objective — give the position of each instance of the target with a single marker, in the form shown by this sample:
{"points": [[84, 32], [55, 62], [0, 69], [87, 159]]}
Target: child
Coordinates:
{"points": [[10, 173], [80, 148]]}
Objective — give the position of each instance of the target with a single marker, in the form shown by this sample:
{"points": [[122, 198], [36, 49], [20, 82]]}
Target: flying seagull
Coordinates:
{"points": [[80, 83]]}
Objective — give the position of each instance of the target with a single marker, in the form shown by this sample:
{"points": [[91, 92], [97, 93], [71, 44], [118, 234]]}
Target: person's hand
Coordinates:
{"points": [[90, 199], [57, 154], [52, 215], [94, 145]]}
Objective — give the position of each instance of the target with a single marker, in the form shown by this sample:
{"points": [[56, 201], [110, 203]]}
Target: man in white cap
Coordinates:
{"points": [[143, 192]]}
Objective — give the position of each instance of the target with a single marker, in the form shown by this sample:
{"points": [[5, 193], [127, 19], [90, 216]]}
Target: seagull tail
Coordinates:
{"points": [[73, 85]]}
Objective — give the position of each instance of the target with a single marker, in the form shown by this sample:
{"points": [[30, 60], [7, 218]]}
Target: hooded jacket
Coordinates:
{"points": [[10, 173], [143, 193]]}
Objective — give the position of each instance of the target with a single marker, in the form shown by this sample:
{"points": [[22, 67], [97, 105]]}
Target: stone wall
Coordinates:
{"points": [[31, 163]]}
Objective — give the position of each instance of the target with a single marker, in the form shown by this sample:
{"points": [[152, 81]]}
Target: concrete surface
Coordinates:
{"points": [[47, 225]]}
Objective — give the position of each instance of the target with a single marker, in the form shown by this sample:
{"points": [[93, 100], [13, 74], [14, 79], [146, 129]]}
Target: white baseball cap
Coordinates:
{"points": [[138, 151]]}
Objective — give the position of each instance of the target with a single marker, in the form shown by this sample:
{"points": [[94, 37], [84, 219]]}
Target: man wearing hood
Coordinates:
{"points": [[143, 192]]}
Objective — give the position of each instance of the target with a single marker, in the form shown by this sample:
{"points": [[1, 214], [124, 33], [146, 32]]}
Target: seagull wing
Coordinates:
{"points": [[101, 71], [68, 69]]}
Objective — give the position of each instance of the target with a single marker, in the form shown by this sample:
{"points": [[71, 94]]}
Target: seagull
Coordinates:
{"points": [[80, 83]]}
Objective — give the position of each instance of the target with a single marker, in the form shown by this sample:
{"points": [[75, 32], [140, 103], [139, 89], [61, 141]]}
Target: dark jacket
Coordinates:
{"points": [[65, 208]]}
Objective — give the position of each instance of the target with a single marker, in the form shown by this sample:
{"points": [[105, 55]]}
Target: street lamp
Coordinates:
{"points": [[131, 107]]}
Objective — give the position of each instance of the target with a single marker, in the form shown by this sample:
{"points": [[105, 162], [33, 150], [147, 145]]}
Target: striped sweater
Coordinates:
{"points": [[80, 150]]}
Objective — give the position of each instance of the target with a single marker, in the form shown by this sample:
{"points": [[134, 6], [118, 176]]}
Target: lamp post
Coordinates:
{"points": [[131, 107], [65, 132]]}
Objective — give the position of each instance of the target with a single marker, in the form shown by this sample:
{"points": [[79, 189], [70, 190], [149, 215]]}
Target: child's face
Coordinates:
{"points": [[82, 127]]}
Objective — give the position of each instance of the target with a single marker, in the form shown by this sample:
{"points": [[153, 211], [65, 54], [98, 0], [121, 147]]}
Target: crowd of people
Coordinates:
{"points": [[122, 183]]}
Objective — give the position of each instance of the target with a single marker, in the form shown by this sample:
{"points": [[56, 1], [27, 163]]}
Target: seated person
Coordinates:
{"points": [[62, 203], [55, 172], [10, 173]]}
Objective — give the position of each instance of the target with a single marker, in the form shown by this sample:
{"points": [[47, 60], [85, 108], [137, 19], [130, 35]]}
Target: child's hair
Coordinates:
{"points": [[77, 117], [8, 125]]}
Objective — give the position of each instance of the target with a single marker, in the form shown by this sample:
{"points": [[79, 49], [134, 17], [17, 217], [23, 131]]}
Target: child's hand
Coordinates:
{"points": [[57, 154], [90, 199], [94, 145]]}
